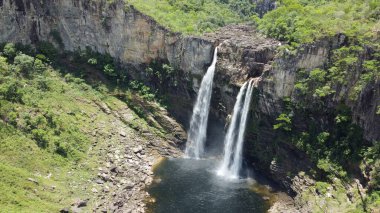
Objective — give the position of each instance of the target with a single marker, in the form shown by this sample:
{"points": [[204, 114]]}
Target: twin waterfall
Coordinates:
{"points": [[234, 139], [233, 142], [198, 125]]}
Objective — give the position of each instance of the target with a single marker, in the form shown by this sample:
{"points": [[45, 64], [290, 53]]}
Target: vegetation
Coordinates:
{"points": [[303, 21], [44, 141], [195, 17]]}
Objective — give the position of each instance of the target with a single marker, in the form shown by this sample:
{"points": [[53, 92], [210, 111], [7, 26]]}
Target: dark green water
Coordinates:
{"points": [[187, 185]]}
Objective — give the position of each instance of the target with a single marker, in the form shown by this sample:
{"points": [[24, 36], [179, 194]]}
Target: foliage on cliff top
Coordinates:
{"points": [[303, 21], [195, 16]]}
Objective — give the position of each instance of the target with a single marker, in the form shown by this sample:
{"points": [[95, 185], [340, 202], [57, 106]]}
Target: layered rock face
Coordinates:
{"points": [[115, 28]]}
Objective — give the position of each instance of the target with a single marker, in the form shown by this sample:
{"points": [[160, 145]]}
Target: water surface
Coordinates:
{"points": [[188, 185]]}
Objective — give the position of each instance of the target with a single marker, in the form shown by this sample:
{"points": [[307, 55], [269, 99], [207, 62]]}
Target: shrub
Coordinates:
{"points": [[24, 63], [109, 70], [41, 137], [10, 50], [285, 122], [39, 66], [11, 91], [92, 61], [3, 65]]}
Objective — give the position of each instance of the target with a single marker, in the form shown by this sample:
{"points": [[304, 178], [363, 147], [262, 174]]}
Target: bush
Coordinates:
{"points": [[285, 122], [3, 65], [10, 50], [11, 91], [41, 137], [109, 70], [24, 63], [39, 66]]}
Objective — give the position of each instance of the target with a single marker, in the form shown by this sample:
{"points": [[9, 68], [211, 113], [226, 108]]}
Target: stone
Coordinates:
{"points": [[33, 180], [64, 210], [115, 169], [122, 133], [137, 149], [99, 181], [81, 203]]}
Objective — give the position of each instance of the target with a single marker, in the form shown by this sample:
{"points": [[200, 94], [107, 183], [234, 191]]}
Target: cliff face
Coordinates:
{"points": [[135, 40], [126, 34], [270, 150], [130, 37]]}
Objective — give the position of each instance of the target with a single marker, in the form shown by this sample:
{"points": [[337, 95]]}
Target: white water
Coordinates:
{"points": [[198, 125], [234, 139]]}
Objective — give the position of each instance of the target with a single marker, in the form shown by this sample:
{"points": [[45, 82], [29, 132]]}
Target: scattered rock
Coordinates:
{"points": [[105, 177], [80, 203], [33, 180], [137, 149], [122, 133], [64, 210], [115, 169], [99, 181]]}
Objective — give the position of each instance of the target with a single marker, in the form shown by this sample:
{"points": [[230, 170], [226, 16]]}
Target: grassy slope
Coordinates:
{"points": [[66, 109]]}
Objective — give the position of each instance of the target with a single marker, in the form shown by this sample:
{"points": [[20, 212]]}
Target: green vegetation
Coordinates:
{"points": [[196, 16], [345, 67], [284, 122], [41, 133], [45, 163], [303, 21]]}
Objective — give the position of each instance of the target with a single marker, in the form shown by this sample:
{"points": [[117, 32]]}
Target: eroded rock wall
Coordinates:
{"points": [[126, 34]]}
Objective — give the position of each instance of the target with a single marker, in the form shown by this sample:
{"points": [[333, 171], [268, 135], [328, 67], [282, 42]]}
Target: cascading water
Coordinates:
{"points": [[232, 159], [198, 125]]}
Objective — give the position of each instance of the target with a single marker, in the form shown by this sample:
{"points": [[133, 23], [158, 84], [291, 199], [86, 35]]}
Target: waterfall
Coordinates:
{"points": [[198, 125], [233, 142]]}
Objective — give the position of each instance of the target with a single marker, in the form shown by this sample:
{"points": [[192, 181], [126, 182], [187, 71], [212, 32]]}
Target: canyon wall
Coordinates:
{"points": [[129, 36]]}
